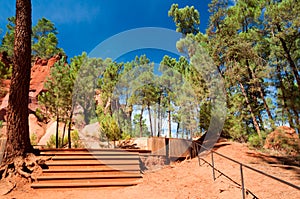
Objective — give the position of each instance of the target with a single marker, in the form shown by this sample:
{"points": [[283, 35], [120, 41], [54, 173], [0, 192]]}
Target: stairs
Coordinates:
{"points": [[82, 168]]}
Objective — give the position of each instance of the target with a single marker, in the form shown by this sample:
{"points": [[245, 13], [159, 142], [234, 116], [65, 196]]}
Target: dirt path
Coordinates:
{"points": [[189, 180]]}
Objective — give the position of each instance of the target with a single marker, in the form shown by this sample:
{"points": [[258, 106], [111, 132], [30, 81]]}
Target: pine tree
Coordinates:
{"points": [[18, 141]]}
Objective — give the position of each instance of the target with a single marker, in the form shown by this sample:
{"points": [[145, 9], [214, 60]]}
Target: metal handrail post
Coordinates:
{"points": [[213, 165], [242, 180]]}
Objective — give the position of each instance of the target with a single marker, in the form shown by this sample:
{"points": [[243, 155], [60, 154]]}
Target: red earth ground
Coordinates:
{"points": [[189, 180]]}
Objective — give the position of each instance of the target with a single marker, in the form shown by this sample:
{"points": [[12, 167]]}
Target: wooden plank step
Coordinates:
{"points": [[92, 173], [97, 150], [84, 177], [82, 185], [101, 153], [101, 167], [91, 162], [85, 170], [99, 157], [92, 168]]}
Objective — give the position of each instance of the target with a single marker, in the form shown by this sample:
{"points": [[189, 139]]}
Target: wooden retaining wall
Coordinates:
{"points": [[170, 147]]}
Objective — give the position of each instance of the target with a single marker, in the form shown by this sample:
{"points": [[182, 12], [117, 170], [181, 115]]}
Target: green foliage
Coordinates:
{"points": [[186, 19], [44, 39], [76, 143], [51, 143], [84, 88], [109, 127], [33, 139], [39, 114], [136, 127], [45, 42], [8, 39], [255, 141]]}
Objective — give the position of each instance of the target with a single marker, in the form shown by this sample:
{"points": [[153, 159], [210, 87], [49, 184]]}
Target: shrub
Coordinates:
{"points": [[75, 139], [255, 141], [33, 139]]}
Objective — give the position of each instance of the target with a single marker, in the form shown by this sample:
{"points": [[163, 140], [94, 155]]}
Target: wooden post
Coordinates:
{"points": [[167, 145]]}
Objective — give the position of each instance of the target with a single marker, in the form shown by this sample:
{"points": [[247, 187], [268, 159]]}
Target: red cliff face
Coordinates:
{"points": [[40, 71]]}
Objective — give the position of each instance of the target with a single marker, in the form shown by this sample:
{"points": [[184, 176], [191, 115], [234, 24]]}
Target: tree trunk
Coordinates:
{"points": [[177, 130], [69, 130], [18, 141], [251, 111], [57, 126], [141, 122], [284, 98], [63, 135], [289, 58], [169, 119], [262, 96], [150, 120], [158, 117]]}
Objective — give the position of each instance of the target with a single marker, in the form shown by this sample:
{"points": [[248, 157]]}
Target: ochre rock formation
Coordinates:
{"points": [[283, 138], [40, 71]]}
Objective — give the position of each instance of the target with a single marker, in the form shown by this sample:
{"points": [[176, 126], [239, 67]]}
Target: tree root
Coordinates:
{"points": [[28, 168]]}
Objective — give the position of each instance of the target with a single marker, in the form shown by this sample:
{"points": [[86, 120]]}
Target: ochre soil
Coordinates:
{"points": [[189, 180]]}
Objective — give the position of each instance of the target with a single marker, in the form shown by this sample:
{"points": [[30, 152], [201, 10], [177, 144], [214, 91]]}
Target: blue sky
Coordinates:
{"points": [[83, 24]]}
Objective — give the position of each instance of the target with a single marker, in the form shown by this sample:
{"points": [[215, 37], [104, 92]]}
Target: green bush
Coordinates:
{"points": [[52, 141], [39, 114], [75, 140], [255, 141], [33, 139]]}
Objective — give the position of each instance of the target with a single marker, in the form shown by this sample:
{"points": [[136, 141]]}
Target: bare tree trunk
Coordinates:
{"points": [[262, 96], [177, 130], [284, 98], [169, 119], [63, 135], [18, 141], [159, 117], [289, 58], [141, 122], [57, 126], [251, 111], [150, 120], [69, 129]]}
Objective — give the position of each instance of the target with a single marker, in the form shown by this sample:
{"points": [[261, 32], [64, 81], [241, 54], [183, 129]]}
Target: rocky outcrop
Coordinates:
{"points": [[40, 71]]}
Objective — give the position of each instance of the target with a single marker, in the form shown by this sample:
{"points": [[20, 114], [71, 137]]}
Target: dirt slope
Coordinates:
{"points": [[189, 180]]}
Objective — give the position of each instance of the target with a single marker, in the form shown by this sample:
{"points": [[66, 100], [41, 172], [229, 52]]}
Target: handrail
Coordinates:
{"points": [[241, 168]]}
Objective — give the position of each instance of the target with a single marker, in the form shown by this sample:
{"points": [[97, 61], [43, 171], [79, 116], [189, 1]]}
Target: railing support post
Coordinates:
{"points": [[242, 179], [213, 165]]}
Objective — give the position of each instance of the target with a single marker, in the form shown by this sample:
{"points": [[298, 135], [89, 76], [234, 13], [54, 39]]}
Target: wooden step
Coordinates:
{"points": [[82, 185], [92, 162], [84, 177], [83, 168], [92, 157], [86, 153], [91, 173]]}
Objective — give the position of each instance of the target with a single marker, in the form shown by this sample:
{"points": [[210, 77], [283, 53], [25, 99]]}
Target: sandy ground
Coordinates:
{"points": [[189, 180]]}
